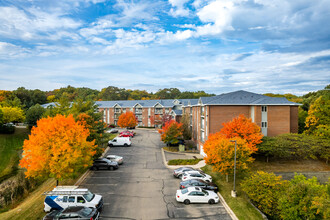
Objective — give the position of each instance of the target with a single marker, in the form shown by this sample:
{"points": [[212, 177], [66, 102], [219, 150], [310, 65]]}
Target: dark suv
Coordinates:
{"points": [[103, 163]]}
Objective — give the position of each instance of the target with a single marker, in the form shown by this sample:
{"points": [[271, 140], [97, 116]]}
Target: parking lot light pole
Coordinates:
{"points": [[233, 192]]}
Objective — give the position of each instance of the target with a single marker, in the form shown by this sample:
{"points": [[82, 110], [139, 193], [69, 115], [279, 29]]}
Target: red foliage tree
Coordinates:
{"points": [[171, 132], [127, 119], [244, 128]]}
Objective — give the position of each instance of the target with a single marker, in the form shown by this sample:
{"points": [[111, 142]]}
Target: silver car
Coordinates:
{"points": [[118, 159]]}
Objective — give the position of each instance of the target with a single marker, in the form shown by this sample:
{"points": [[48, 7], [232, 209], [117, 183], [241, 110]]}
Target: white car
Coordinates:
{"points": [[196, 195], [189, 175], [112, 130], [115, 158]]}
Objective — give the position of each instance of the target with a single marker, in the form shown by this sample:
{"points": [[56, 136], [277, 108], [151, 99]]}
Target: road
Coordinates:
{"points": [[143, 188]]}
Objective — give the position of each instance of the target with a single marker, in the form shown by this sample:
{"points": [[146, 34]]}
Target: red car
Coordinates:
{"points": [[126, 134]]}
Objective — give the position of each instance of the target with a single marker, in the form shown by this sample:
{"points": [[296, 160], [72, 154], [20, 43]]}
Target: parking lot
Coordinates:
{"points": [[143, 188]]}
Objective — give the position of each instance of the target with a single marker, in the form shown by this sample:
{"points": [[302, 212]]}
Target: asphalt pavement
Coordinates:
{"points": [[143, 188]]}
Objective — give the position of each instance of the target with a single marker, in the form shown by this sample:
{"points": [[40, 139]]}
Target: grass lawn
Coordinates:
{"points": [[33, 206], [184, 161], [10, 147]]}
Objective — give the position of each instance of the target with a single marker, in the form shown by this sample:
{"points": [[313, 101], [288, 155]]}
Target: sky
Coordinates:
{"points": [[262, 46]]}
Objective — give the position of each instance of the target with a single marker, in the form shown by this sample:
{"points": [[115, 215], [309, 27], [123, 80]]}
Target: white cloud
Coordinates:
{"points": [[217, 15], [32, 24], [8, 51], [178, 8]]}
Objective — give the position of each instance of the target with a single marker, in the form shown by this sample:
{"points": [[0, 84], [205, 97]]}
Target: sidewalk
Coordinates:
{"points": [[179, 155]]}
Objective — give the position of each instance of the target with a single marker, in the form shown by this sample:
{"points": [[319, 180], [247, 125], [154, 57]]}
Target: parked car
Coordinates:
{"points": [[112, 130], [126, 134], [200, 183], [104, 163], [120, 141], [62, 197], [74, 212], [115, 158], [196, 195], [196, 175], [178, 172]]}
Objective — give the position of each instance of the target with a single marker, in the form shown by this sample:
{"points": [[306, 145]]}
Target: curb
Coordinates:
{"points": [[84, 176], [228, 209]]}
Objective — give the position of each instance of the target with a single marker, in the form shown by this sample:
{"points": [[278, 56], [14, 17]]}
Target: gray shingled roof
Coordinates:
{"points": [[130, 103], [244, 98], [177, 112]]}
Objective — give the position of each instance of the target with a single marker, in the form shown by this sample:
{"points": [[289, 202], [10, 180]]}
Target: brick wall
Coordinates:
{"points": [[221, 114], [278, 118], [294, 119]]}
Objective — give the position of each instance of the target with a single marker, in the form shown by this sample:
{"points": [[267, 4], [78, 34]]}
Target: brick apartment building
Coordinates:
{"points": [[274, 115], [148, 112]]}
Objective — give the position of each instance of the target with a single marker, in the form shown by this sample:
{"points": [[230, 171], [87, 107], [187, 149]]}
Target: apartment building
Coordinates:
{"points": [[207, 114], [274, 115], [148, 112]]}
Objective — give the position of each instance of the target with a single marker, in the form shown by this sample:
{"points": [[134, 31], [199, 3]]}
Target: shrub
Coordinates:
{"points": [[184, 161], [7, 129], [295, 146], [305, 199], [264, 189]]}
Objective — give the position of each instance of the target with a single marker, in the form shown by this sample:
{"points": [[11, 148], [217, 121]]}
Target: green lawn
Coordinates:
{"points": [[10, 149], [184, 161], [240, 205]]}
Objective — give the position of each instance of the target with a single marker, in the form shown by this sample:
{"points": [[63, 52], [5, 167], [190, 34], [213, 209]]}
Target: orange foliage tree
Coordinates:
{"points": [[220, 153], [171, 132], [58, 148], [244, 128], [127, 119]]}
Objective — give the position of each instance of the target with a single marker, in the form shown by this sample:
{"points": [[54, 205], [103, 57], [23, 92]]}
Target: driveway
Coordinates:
{"points": [[143, 188]]}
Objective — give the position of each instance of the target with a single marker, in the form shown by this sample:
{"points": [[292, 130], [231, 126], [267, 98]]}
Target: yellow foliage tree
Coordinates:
{"points": [[57, 148], [12, 114]]}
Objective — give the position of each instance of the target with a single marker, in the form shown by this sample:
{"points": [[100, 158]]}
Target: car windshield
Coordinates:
{"points": [[184, 191], [86, 211], [89, 196]]}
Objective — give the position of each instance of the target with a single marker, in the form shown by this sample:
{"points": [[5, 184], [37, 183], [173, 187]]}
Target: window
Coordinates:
{"points": [[80, 199], [264, 124], [65, 199], [72, 199], [264, 108], [167, 110]]}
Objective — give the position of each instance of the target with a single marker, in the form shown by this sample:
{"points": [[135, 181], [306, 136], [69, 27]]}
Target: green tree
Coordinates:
{"points": [[186, 132], [166, 93], [113, 93], [305, 199], [265, 189], [319, 116], [34, 114]]}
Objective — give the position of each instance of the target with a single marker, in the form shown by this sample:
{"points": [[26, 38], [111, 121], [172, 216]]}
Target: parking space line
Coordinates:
{"points": [[203, 207], [100, 184]]}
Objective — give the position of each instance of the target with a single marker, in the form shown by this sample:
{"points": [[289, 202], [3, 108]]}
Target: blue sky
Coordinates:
{"points": [[278, 46]]}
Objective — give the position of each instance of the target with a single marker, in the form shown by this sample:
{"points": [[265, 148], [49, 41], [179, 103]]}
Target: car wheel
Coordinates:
{"points": [[180, 176], [125, 145], [211, 201], [110, 145], [94, 168], [187, 202], [110, 168]]}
